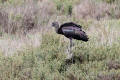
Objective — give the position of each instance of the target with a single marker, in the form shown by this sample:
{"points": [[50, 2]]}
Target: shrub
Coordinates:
{"points": [[96, 10], [109, 1], [65, 6], [25, 17]]}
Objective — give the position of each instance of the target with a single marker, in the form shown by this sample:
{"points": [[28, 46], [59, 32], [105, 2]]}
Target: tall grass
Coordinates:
{"points": [[48, 61], [40, 54]]}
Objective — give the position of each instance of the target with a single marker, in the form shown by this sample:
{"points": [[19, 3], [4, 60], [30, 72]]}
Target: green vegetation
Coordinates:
{"points": [[47, 62], [64, 6], [43, 57], [109, 1]]}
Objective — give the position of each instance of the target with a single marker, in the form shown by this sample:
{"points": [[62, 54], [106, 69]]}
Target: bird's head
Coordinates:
{"points": [[55, 25]]}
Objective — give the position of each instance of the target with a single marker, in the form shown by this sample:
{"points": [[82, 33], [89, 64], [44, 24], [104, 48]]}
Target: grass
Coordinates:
{"points": [[47, 62], [43, 57]]}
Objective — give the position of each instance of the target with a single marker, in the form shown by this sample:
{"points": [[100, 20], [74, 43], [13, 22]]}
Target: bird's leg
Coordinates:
{"points": [[70, 46], [70, 55]]}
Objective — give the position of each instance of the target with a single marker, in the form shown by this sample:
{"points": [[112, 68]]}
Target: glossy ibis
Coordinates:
{"points": [[71, 31]]}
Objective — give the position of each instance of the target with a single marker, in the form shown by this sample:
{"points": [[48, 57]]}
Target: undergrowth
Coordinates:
{"points": [[47, 62], [97, 59]]}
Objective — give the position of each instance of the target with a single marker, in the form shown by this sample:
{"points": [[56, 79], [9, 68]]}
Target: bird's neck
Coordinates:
{"points": [[56, 29]]}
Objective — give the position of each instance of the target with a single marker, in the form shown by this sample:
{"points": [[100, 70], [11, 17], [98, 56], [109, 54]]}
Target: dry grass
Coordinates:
{"points": [[31, 50], [106, 31], [88, 9], [11, 44], [25, 17]]}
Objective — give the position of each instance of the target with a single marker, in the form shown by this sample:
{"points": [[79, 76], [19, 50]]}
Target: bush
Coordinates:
{"points": [[64, 7], [97, 59], [96, 10], [25, 17], [48, 61], [109, 1]]}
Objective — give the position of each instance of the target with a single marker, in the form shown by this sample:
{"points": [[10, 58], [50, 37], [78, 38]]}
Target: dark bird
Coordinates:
{"points": [[71, 31]]}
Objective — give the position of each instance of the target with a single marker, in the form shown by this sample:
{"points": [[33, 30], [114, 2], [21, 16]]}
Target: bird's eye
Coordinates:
{"points": [[53, 24]]}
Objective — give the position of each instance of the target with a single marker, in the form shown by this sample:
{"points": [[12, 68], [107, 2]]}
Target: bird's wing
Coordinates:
{"points": [[75, 32], [81, 34], [71, 24], [67, 30], [70, 30]]}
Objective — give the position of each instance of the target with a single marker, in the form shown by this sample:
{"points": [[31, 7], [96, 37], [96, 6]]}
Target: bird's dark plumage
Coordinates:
{"points": [[72, 30]]}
